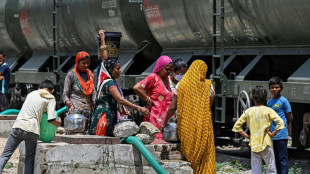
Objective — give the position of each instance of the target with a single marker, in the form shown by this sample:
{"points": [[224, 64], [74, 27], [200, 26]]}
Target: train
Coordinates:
{"points": [[259, 39]]}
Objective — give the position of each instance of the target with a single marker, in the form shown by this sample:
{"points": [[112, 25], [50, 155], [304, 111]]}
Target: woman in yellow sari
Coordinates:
{"points": [[193, 100]]}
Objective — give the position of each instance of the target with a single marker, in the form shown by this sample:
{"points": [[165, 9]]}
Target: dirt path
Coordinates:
{"points": [[13, 160]]}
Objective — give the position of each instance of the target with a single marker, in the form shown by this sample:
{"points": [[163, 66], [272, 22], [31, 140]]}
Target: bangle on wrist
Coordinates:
{"points": [[138, 109], [148, 99], [103, 47]]}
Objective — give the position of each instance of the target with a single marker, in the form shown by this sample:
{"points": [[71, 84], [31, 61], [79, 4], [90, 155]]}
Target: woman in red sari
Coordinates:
{"points": [[155, 90]]}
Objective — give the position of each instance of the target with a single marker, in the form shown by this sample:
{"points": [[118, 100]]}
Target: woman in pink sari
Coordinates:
{"points": [[155, 90]]}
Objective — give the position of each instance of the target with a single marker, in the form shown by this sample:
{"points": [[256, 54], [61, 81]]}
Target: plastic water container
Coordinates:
{"points": [[47, 130], [112, 40], [170, 131]]}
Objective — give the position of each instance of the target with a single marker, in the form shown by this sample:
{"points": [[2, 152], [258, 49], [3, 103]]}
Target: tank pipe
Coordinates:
{"points": [[61, 110], [16, 111], [146, 153], [10, 112]]}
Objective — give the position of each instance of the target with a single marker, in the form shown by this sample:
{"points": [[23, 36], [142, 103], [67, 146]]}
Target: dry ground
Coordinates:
{"points": [[13, 160]]}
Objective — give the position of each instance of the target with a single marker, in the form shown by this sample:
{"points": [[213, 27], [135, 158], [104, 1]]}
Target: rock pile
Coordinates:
{"points": [[146, 131]]}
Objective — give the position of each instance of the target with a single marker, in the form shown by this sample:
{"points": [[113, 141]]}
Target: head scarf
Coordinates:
{"points": [[87, 87], [81, 55], [195, 128], [106, 72], [102, 75], [110, 65], [161, 63]]}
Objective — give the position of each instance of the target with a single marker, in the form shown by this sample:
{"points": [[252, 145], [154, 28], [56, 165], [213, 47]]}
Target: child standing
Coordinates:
{"points": [[27, 125], [283, 108], [258, 119]]}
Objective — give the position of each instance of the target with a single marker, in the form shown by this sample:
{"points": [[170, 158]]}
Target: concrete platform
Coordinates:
{"points": [[6, 127], [86, 139], [8, 117], [65, 158], [6, 124]]}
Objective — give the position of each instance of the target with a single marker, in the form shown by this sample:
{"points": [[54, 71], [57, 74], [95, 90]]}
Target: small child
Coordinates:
{"points": [[258, 119], [27, 125], [283, 108]]}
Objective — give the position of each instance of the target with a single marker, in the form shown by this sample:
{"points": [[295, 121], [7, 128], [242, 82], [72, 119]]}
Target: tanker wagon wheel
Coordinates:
{"points": [[304, 138], [243, 104]]}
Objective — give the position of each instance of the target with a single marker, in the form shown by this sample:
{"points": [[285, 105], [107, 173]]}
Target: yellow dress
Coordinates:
{"points": [[195, 129]]}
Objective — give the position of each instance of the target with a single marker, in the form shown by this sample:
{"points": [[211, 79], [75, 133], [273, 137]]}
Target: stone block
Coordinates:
{"points": [[6, 127], [186, 170], [175, 155], [75, 153], [148, 128], [152, 151], [123, 154], [158, 147], [145, 138], [86, 139], [125, 129], [60, 130]]}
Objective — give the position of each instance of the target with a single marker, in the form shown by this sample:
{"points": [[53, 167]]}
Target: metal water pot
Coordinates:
{"points": [[75, 122], [170, 131]]}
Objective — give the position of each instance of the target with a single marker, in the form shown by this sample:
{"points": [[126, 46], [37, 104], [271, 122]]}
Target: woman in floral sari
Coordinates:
{"points": [[155, 90], [105, 113]]}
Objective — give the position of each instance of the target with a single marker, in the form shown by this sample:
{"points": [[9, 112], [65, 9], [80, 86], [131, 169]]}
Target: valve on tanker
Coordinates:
{"points": [[243, 103], [305, 133]]}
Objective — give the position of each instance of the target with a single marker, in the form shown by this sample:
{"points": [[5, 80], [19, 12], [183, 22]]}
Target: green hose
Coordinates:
{"points": [[147, 154], [61, 110], [16, 111], [10, 112]]}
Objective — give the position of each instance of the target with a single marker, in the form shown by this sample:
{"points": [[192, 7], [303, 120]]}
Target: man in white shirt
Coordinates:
{"points": [[27, 125]]}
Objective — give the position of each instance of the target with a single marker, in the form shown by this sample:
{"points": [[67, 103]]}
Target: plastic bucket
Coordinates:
{"points": [[113, 40], [47, 130]]}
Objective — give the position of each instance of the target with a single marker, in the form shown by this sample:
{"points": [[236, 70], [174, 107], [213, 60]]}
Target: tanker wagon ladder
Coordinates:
{"points": [[218, 77]]}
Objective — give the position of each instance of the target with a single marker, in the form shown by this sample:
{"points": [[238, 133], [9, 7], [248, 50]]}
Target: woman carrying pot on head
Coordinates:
{"points": [[193, 100], [78, 92], [155, 90], [105, 113]]}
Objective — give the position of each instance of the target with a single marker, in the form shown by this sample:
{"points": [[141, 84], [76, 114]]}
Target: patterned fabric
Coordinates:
{"points": [[102, 74], [212, 91], [101, 128], [195, 129], [282, 107], [110, 65], [74, 94], [86, 84], [87, 87], [161, 98], [161, 63], [259, 119], [105, 104]]}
